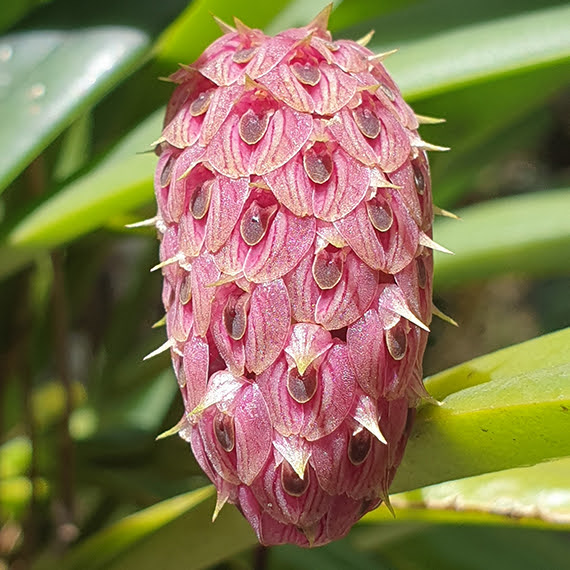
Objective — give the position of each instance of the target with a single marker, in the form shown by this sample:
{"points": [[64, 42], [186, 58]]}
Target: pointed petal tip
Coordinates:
{"points": [[162, 348], [425, 120], [382, 56], [160, 323], [166, 262], [365, 40], [173, 430], [428, 242], [441, 212], [386, 500], [241, 28], [424, 145], [221, 500], [226, 28], [438, 313], [321, 20], [143, 223]]}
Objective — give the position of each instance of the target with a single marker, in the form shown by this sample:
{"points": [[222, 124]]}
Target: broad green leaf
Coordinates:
{"points": [[119, 183], [503, 410], [446, 547], [49, 78], [529, 496], [470, 45], [489, 130], [527, 235], [173, 534]]}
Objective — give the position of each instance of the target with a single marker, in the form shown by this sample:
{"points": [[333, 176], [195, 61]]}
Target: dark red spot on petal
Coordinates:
{"points": [[254, 223], [318, 163], [359, 446], [225, 431], [396, 341], [367, 122], [291, 482], [307, 73], [235, 317], [302, 387], [166, 173], [422, 277], [244, 55], [252, 126], [327, 269], [419, 178], [200, 200], [380, 214], [200, 105]]}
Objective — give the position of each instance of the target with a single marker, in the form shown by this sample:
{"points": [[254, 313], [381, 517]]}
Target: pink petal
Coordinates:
{"points": [[226, 206], [347, 301], [343, 129], [286, 242], [334, 396], [303, 291], [307, 343], [287, 132], [365, 341], [333, 91], [292, 187], [231, 257], [221, 105], [286, 414], [204, 273], [232, 351], [196, 360], [345, 189], [269, 322], [253, 433], [286, 87]]}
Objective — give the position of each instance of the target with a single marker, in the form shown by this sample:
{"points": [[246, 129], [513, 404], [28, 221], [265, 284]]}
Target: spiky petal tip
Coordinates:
{"points": [[295, 215]]}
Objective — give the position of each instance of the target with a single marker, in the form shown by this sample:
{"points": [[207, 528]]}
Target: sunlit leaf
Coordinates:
{"points": [[524, 235], [503, 410], [174, 534], [49, 78], [446, 44], [526, 496]]}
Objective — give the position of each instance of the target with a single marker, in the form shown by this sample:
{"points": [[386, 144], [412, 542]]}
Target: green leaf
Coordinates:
{"points": [[472, 45], [119, 183], [503, 410], [445, 547], [528, 496], [527, 235], [49, 78], [539, 492], [173, 534]]}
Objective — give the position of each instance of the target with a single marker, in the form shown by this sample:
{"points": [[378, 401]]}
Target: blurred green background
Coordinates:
{"points": [[83, 484]]}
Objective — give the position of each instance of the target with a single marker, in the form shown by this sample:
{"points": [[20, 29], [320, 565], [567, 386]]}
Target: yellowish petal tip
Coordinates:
{"points": [[440, 314], [425, 120], [382, 56], [321, 20], [226, 28], [162, 348], [173, 430], [241, 28], [441, 212], [159, 323], [365, 40]]}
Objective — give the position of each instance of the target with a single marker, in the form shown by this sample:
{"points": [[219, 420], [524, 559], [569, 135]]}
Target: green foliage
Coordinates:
{"points": [[80, 107]]}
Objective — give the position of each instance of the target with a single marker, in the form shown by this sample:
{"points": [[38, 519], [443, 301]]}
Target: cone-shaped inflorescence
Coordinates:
{"points": [[295, 214]]}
